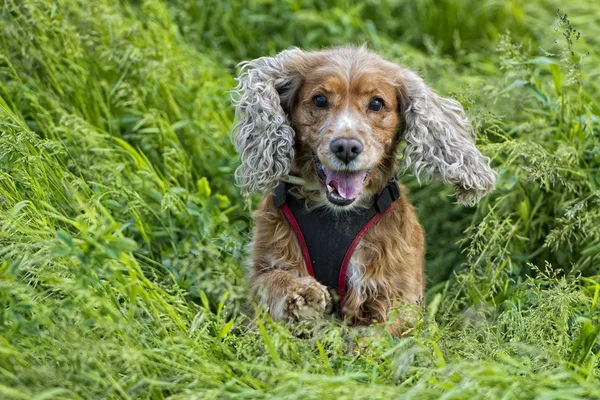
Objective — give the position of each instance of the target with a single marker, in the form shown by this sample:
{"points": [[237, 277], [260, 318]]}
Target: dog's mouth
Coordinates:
{"points": [[342, 186]]}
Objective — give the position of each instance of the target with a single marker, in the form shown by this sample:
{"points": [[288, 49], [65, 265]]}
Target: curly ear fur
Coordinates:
{"points": [[439, 141], [263, 137]]}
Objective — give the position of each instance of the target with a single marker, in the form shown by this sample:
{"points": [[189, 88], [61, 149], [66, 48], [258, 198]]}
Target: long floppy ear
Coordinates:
{"points": [[263, 136], [440, 141]]}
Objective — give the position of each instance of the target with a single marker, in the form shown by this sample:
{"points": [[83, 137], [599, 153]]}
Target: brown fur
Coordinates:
{"points": [[392, 252]]}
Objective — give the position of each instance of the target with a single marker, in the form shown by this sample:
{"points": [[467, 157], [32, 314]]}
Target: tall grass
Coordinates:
{"points": [[122, 234]]}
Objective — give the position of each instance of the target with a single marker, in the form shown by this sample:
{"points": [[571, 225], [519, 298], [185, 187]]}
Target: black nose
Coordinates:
{"points": [[346, 149]]}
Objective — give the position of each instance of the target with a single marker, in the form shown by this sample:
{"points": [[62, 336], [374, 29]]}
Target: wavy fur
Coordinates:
{"points": [[263, 136], [386, 270], [440, 144]]}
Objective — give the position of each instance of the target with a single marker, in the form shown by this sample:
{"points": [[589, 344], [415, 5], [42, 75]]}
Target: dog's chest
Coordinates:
{"points": [[330, 239]]}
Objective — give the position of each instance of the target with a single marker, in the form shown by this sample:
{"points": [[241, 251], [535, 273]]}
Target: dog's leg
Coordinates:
{"points": [[402, 317], [389, 289], [278, 278], [398, 316], [289, 296]]}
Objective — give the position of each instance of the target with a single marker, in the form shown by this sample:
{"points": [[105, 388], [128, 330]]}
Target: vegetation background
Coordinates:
{"points": [[122, 234]]}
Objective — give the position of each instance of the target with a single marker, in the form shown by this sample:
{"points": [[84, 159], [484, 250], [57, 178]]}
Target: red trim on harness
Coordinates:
{"points": [[292, 220], [348, 256]]}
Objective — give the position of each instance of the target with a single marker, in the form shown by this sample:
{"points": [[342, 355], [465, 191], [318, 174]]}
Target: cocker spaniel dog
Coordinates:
{"points": [[318, 134]]}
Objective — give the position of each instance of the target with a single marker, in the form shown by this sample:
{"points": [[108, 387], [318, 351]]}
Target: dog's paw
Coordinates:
{"points": [[307, 299]]}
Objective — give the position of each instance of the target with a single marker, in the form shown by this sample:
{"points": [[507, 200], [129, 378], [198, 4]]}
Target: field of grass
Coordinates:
{"points": [[122, 234]]}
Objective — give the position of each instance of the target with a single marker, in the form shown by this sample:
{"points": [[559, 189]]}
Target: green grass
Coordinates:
{"points": [[122, 235]]}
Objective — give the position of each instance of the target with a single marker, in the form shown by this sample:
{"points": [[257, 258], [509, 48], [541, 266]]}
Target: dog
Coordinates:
{"points": [[318, 134]]}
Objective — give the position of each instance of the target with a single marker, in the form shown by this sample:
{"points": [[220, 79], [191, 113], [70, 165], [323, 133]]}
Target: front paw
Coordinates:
{"points": [[307, 299]]}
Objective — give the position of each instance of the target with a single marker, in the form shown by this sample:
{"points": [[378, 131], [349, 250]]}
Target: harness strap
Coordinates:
{"points": [[348, 256], [289, 215], [385, 198], [382, 203]]}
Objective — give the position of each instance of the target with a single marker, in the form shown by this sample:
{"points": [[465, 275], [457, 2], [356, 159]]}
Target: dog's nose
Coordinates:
{"points": [[346, 149]]}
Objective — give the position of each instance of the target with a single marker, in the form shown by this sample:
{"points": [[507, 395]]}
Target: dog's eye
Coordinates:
{"points": [[320, 101], [376, 104]]}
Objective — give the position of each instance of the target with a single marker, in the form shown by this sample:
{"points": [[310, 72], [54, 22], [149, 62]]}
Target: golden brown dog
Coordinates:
{"points": [[331, 121]]}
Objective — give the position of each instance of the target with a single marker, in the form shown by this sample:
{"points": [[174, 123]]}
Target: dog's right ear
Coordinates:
{"points": [[263, 136]]}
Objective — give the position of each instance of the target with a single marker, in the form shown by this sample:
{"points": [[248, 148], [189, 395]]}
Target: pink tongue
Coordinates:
{"points": [[349, 185]]}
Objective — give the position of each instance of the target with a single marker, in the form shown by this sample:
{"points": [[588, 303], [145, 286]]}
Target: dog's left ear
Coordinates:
{"points": [[440, 141], [263, 136]]}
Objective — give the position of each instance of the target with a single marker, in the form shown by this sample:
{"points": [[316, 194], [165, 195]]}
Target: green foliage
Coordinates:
{"points": [[122, 234]]}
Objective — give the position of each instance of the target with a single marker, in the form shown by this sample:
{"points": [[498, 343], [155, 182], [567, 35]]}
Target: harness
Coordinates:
{"points": [[328, 239]]}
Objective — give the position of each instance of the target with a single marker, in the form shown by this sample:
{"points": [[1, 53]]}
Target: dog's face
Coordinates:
{"points": [[335, 117], [346, 121]]}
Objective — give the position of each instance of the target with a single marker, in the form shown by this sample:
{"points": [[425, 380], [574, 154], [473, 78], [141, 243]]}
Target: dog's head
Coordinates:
{"points": [[335, 118]]}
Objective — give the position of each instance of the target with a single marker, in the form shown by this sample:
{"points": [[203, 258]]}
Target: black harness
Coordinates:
{"points": [[328, 239]]}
